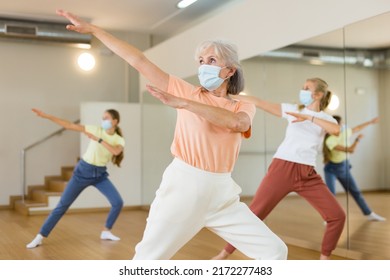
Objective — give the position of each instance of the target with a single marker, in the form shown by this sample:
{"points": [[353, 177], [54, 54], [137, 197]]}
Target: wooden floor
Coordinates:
{"points": [[298, 223], [77, 235]]}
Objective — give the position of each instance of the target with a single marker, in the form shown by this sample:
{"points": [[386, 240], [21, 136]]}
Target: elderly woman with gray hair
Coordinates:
{"points": [[197, 189]]}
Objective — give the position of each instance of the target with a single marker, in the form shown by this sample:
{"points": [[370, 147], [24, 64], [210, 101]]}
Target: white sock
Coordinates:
{"points": [[36, 242], [375, 217], [107, 235]]}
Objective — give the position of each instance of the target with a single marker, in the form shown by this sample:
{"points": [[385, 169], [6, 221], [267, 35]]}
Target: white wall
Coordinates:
{"points": [[384, 103], [158, 125]]}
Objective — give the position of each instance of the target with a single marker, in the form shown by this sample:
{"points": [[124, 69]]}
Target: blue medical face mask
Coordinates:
{"points": [[106, 124], [209, 76], [305, 97]]}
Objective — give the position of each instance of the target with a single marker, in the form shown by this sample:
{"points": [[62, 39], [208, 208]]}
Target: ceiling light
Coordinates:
{"points": [[368, 62], [185, 3], [334, 103], [86, 61]]}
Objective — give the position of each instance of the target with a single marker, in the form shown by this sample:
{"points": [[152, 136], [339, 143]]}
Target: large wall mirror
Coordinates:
{"points": [[367, 48], [355, 63]]}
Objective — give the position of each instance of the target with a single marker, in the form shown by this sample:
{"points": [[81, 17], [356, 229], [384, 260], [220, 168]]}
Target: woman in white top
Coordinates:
{"points": [[293, 166]]}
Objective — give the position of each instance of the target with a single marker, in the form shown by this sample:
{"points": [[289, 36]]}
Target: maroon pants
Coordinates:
{"points": [[284, 177]]}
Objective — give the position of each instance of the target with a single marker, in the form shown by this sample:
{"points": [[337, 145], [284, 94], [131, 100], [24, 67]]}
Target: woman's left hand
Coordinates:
{"points": [[166, 98], [299, 117]]}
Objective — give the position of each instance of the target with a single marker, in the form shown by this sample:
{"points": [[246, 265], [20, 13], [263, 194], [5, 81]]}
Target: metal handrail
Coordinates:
{"points": [[23, 156]]}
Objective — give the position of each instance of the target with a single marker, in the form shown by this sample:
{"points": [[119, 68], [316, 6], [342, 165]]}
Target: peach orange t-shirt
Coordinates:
{"points": [[197, 141]]}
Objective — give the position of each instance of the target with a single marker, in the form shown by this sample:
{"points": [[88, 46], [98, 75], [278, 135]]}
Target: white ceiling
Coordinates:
{"points": [[162, 18]]}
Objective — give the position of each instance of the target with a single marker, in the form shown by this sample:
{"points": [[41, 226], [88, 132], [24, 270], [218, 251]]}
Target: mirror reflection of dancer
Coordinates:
{"points": [[197, 189], [106, 145], [293, 166], [337, 165]]}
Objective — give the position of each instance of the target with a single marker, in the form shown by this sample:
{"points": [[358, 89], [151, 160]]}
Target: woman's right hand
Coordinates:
{"points": [[91, 136], [375, 120], [39, 113], [78, 25], [360, 136]]}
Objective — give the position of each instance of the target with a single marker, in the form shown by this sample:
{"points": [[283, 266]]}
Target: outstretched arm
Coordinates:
{"points": [[238, 122], [329, 127], [364, 125], [272, 108], [64, 123], [123, 49]]}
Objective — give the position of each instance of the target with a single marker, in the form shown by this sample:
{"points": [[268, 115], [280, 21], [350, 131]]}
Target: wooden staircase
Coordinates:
{"points": [[38, 195]]}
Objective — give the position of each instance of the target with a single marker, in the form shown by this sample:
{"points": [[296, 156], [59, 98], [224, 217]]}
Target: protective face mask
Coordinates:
{"points": [[209, 77], [106, 124], [305, 97], [343, 127]]}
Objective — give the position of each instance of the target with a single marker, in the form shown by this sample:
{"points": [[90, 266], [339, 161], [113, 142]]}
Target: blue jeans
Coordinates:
{"points": [[85, 175], [341, 171]]}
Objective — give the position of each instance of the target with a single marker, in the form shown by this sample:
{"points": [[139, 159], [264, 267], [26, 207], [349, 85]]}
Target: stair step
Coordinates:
{"points": [[24, 206], [33, 188], [48, 179], [38, 195], [67, 172], [42, 195], [57, 185]]}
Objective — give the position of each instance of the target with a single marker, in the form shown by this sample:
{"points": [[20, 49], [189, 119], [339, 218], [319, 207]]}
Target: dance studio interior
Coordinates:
{"points": [[76, 77]]}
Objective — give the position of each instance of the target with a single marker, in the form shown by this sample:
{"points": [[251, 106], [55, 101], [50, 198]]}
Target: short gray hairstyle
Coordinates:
{"points": [[228, 53]]}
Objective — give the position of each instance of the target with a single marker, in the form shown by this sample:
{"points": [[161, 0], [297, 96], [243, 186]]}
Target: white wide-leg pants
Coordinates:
{"points": [[188, 200]]}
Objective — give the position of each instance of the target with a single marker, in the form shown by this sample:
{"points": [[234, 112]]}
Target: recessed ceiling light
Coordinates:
{"points": [[86, 61], [185, 3], [334, 103]]}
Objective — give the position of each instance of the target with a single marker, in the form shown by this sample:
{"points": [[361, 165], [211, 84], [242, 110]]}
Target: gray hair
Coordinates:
{"points": [[227, 52]]}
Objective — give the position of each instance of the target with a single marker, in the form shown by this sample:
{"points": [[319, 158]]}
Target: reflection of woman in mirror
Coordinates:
{"points": [[292, 168], [197, 190], [337, 166]]}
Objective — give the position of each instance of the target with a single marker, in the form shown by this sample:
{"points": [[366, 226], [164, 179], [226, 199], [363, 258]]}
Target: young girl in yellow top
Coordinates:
{"points": [[106, 145]]}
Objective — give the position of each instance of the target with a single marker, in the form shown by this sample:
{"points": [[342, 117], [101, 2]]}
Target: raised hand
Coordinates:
{"points": [[375, 120], [39, 113], [299, 117], [78, 25], [166, 98], [91, 136]]}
